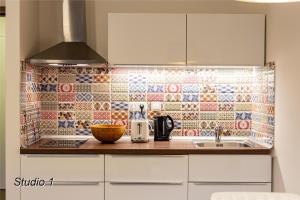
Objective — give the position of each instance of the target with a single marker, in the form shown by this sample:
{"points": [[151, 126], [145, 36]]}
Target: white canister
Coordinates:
{"points": [[140, 130]]}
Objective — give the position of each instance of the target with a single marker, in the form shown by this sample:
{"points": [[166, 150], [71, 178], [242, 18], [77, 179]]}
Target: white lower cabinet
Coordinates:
{"points": [[203, 191], [145, 191], [74, 191]]}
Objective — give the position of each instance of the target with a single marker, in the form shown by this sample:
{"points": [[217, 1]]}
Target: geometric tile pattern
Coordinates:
{"points": [[198, 98]]}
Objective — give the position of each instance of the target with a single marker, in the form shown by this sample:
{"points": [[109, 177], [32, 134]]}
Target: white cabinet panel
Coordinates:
{"points": [[157, 168], [63, 167], [226, 39], [204, 191], [230, 168], [62, 192], [146, 38], [145, 191]]}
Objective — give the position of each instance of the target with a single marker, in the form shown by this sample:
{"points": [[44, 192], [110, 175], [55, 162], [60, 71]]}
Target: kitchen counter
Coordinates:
{"points": [[124, 146]]}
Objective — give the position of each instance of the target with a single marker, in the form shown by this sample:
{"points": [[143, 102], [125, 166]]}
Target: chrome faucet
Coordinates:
{"points": [[218, 133]]}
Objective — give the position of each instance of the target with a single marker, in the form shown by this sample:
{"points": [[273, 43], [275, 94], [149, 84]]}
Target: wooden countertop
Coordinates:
{"points": [[173, 147]]}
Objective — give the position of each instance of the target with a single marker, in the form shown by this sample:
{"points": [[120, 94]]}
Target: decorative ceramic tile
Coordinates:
{"points": [[82, 96], [101, 97], [48, 124], [83, 124], [243, 107], [137, 79], [84, 78], [208, 106], [243, 124], [49, 106], [137, 97], [243, 88], [101, 115], [83, 88], [226, 107], [66, 106], [243, 98], [119, 97], [119, 78], [64, 97], [208, 125], [46, 78], [101, 122], [48, 87], [101, 69], [227, 125], [208, 98], [190, 124], [243, 116], [208, 88], [65, 115], [155, 97], [119, 87], [66, 131], [120, 122], [225, 88], [190, 88], [49, 131], [176, 132], [172, 106], [134, 87], [83, 106], [190, 97], [65, 87], [66, 78], [84, 70], [156, 88], [119, 106], [83, 131], [190, 106], [176, 115], [208, 115], [173, 88], [66, 124], [190, 132], [190, 116], [101, 106], [101, 87], [84, 115], [225, 98], [155, 106], [172, 97], [152, 114], [119, 115], [225, 115], [101, 78], [48, 115], [190, 76], [207, 133]]}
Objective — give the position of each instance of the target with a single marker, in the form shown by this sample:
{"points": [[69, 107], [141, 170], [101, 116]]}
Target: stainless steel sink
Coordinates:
{"points": [[223, 144]]}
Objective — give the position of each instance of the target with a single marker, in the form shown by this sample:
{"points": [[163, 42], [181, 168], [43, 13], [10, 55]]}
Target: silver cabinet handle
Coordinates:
{"points": [[146, 182], [75, 183], [229, 183]]}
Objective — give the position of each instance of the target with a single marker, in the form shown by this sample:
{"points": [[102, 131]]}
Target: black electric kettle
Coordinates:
{"points": [[162, 130]]}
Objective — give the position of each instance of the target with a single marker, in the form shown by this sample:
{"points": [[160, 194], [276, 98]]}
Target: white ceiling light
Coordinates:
{"points": [[269, 1]]}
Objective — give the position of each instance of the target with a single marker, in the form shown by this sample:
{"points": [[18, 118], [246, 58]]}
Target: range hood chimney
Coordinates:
{"points": [[74, 50]]}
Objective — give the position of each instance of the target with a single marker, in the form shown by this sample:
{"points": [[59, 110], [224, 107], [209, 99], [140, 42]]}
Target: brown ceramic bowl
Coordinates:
{"points": [[107, 133]]}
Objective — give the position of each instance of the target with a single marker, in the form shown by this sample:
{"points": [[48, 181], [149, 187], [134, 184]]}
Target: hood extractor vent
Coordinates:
{"points": [[74, 50]]}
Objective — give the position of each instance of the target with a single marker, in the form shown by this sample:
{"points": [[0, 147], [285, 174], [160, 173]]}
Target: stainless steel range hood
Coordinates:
{"points": [[74, 50]]}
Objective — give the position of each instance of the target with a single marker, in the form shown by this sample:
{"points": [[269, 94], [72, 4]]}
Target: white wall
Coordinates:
{"points": [[283, 46], [22, 41], [97, 10]]}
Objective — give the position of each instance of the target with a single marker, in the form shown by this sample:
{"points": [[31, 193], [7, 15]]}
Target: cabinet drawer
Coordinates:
{"points": [[63, 167], [148, 168], [64, 191], [145, 191], [230, 168], [204, 191]]}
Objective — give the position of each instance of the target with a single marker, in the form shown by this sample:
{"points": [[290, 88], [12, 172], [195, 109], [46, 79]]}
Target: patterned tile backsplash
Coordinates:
{"points": [[70, 99]]}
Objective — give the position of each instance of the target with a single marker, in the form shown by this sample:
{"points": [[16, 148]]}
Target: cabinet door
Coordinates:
{"points": [[145, 191], [226, 39], [146, 38], [204, 191], [90, 191]]}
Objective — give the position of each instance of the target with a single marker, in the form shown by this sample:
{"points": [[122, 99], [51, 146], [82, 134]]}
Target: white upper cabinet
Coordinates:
{"points": [[146, 38], [226, 39]]}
